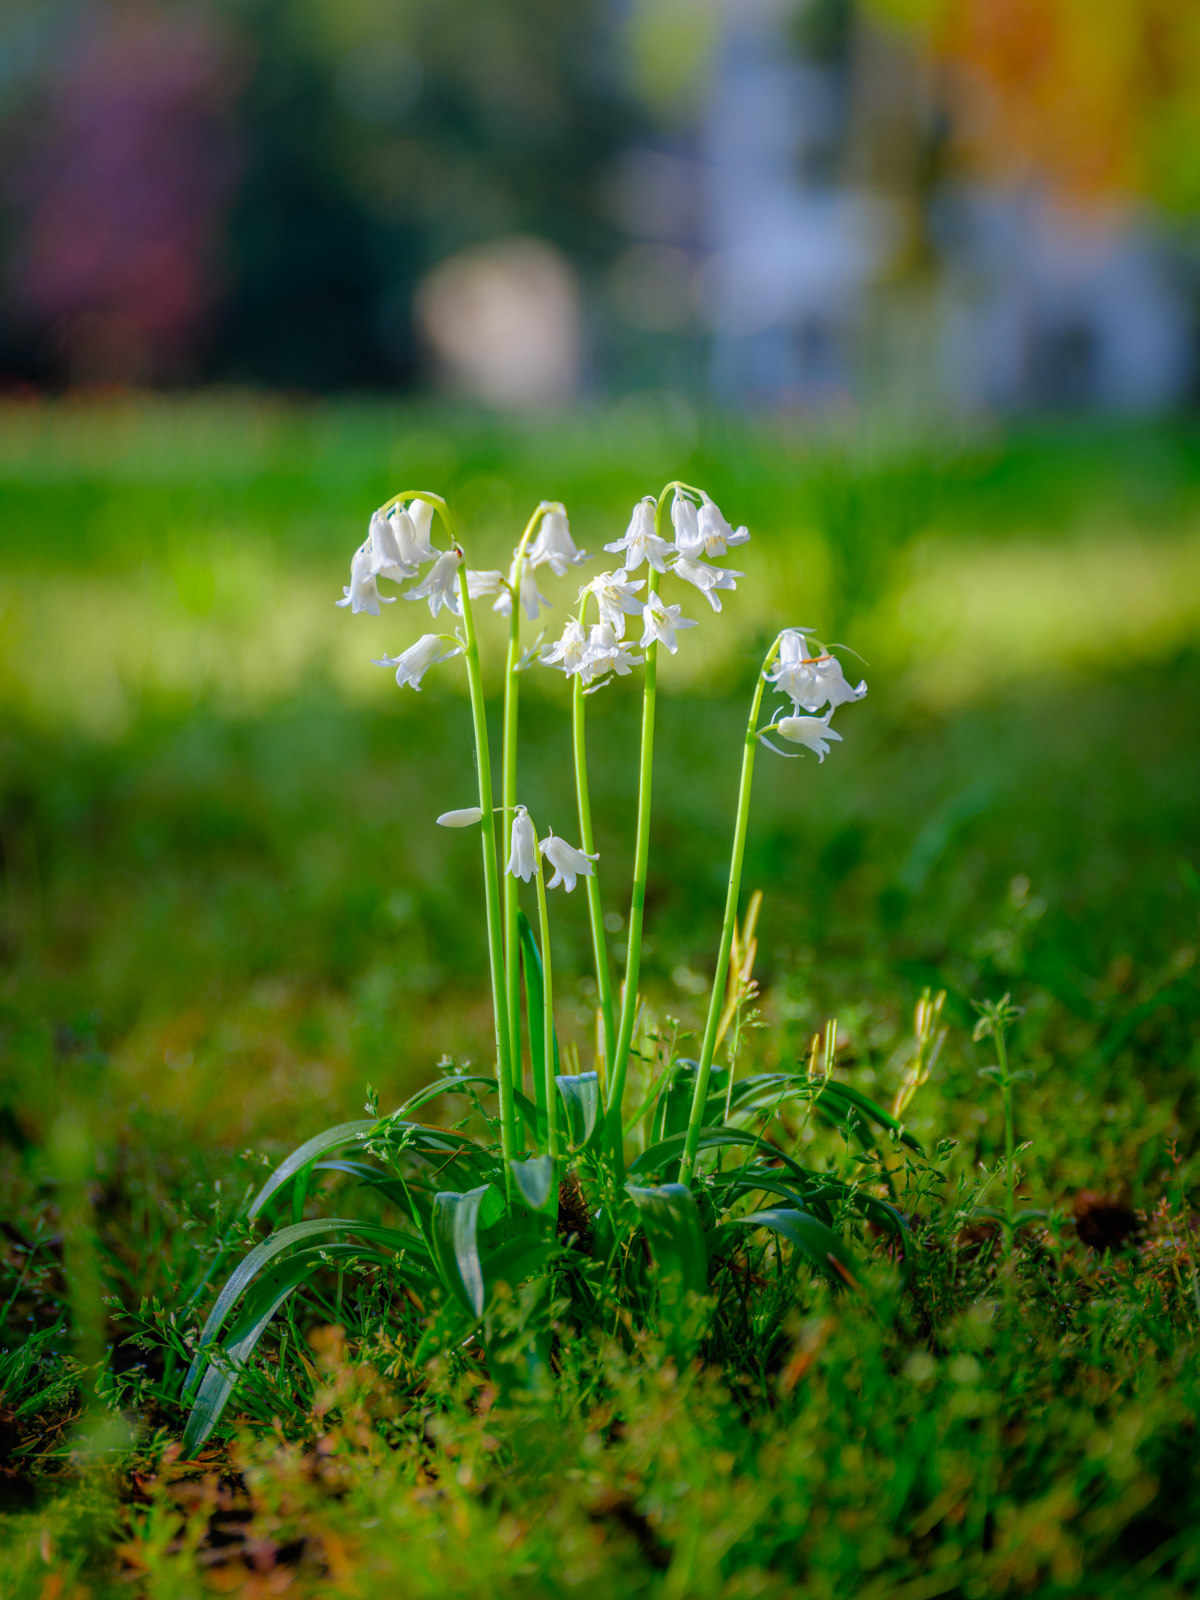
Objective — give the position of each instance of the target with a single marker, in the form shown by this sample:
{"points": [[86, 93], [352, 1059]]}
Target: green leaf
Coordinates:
{"points": [[813, 1239], [833, 1099], [581, 1097], [312, 1150], [275, 1245], [535, 1004], [674, 1108], [517, 1260], [457, 1219], [535, 1182], [662, 1156], [262, 1303], [454, 1085], [669, 1215]]}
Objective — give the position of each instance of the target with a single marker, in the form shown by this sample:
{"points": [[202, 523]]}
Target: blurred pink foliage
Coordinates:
{"points": [[120, 185]]}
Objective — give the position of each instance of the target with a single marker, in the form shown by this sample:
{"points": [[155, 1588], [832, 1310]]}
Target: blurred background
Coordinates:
{"points": [[909, 285], [974, 204]]}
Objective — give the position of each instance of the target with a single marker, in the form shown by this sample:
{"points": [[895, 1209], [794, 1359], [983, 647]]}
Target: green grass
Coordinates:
{"points": [[226, 913]]}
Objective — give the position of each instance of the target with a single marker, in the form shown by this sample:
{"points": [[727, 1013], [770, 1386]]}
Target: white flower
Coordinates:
{"points": [[616, 598], [569, 651], [387, 557], [687, 529], [362, 593], [481, 583], [420, 514], [531, 598], [605, 653], [707, 579], [660, 623], [438, 586], [412, 664], [812, 732], [641, 543], [811, 681], [466, 818], [522, 860], [568, 863], [714, 534], [554, 544]]}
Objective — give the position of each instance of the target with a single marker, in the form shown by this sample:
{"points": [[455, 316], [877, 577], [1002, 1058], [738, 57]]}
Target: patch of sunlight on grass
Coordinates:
{"points": [[976, 618], [232, 622]]}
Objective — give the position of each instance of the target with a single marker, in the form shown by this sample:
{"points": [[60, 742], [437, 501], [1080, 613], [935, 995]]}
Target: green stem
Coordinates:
{"points": [[716, 999], [641, 860], [508, 798], [591, 884], [491, 886], [548, 1020], [637, 906]]}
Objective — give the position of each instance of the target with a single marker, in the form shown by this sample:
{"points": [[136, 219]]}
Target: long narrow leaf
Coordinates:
{"points": [[267, 1296], [662, 1156], [813, 1239], [312, 1150], [457, 1219], [535, 993], [535, 1181], [668, 1214], [275, 1245], [581, 1096]]}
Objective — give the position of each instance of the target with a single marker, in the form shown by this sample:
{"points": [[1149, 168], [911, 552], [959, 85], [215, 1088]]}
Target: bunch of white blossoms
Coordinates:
{"points": [[398, 545], [702, 534], [810, 683]]}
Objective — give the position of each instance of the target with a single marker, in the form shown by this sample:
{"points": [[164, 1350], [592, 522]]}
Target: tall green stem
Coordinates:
{"points": [[637, 902], [491, 886], [508, 798], [591, 883], [547, 1062], [721, 975]]}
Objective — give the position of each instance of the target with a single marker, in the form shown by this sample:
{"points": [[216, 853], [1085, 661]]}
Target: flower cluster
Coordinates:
{"points": [[701, 534], [569, 864], [810, 682]]}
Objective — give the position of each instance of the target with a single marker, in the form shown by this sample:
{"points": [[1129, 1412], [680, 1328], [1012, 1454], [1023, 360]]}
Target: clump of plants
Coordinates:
{"points": [[622, 1195]]}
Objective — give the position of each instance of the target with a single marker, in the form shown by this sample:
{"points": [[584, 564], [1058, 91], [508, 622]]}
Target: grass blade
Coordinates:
{"points": [[673, 1228], [581, 1096], [812, 1238], [457, 1219], [312, 1150]]}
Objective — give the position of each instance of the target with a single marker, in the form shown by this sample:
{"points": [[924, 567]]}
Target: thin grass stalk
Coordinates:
{"points": [[721, 975], [591, 883], [1006, 1087], [508, 798]]}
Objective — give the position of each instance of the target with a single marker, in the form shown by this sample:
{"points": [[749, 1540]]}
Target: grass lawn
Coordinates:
{"points": [[227, 916]]}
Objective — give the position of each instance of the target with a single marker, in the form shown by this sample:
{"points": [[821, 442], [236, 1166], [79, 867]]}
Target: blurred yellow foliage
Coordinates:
{"points": [[1098, 100]]}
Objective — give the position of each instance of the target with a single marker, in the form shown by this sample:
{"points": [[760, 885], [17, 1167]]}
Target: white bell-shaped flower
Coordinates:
{"points": [[616, 597], [438, 584], [412, 664], [466, 818], [387, 558], [687, 528], [568, 863], [814, 733], [554, 546], [484, 583], [641, 543], [706, 578], [420, 514], [714, 534], [362, 593], [567, 652], [661, 621], [532, 598], [522, 860], [604, 654]]}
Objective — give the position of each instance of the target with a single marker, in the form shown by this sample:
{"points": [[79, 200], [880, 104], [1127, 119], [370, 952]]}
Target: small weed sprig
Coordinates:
{"points": [[550, 1206]]}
